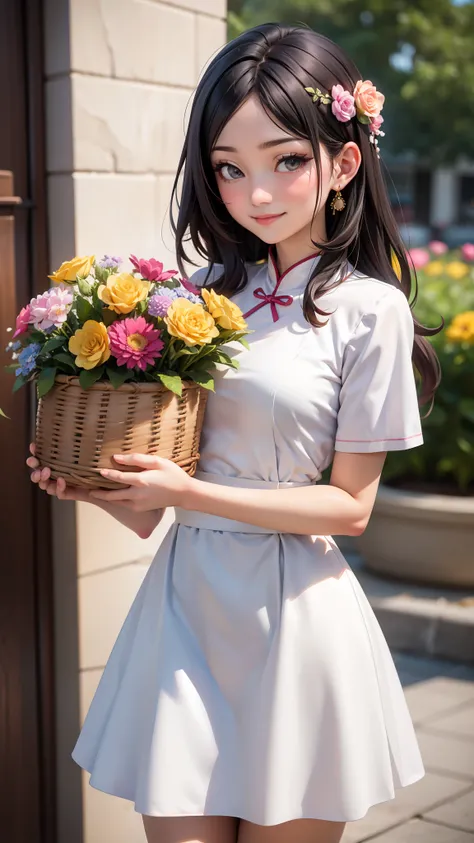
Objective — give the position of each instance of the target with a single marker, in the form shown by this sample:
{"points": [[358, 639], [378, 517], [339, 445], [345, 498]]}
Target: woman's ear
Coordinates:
{"points": [[346, 165]]}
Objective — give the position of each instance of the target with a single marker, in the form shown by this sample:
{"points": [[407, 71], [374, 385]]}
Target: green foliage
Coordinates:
{"points": [[446, 460], [45, 380], [420, 55], [89, 377]]}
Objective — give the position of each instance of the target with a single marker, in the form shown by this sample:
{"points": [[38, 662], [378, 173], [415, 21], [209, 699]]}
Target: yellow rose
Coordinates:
{"points": [[191, 323], [69, 270], [123, 292], [434, 268], [461, 328], [90, 344], [224, 311], [457, 269]]}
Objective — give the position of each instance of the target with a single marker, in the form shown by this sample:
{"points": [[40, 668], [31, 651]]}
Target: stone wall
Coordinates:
{"points": [[119, 78]]}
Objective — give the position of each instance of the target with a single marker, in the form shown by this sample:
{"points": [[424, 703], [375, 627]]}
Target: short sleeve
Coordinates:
{"points": [[378, 402]]}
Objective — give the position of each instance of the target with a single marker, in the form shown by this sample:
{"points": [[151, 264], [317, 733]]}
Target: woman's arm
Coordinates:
{"points": [[341, 508]]}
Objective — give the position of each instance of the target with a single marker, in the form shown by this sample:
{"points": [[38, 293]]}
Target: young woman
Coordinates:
{"points": [[251, 695]]}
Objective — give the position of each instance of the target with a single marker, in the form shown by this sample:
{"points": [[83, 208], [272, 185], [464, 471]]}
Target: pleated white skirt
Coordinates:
{"points": [[250, 679]]}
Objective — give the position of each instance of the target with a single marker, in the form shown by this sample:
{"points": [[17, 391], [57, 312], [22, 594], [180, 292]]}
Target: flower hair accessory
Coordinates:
{"points": [[365, 103]]}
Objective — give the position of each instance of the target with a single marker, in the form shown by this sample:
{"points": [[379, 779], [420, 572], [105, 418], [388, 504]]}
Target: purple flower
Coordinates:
{"points": [[27, 359], [110, 262], [159, 304], [182, 293]]}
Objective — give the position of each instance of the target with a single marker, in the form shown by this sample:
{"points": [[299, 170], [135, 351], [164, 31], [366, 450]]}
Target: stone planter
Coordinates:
{"points": [[420, 537]]}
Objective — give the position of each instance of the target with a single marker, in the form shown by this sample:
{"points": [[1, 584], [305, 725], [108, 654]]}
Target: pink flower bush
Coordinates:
{"points": [[419, 257], [343, 106], [135, 343], [437, 247], [151, 270], [22, 321], [50, 309], [467, 251]]}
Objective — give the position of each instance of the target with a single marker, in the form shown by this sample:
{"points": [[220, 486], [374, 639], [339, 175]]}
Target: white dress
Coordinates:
{"points": [[251, 677]]}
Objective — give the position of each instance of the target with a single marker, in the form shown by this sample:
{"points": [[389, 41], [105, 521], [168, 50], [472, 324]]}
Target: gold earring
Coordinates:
{"points": [[338, 203]]}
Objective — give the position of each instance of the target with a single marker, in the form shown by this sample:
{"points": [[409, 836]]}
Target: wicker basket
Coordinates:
{"points": [[78, 431]]}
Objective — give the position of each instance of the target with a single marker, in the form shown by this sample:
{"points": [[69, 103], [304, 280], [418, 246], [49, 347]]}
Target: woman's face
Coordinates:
{"points": [[267, 178]]}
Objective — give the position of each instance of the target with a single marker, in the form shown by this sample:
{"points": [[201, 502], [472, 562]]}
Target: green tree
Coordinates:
{"points": [[421, 55]]}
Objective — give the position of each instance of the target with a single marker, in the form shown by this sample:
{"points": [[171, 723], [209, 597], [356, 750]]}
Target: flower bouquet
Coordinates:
{"points": [[122, 363]]}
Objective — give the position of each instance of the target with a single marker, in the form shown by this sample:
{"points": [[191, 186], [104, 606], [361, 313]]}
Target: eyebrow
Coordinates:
{"points": [[265, 145]]}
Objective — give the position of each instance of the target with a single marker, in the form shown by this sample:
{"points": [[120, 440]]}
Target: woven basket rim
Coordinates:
{"points": [[106, 386]]}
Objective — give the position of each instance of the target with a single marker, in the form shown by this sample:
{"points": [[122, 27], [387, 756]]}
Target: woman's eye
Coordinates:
{"points": [[291, 163], [229, 172]]}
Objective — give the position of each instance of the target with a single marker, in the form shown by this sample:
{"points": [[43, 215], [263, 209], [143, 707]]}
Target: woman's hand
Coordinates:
{"points": [[58, 488], [142, 524], [159, 483]]}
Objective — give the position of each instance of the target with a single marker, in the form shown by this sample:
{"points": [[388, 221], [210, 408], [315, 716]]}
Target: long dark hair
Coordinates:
{"points": [[276, 63]]}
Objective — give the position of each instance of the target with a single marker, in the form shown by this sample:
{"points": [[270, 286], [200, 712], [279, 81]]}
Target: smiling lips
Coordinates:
{"points": [[267, 219]]}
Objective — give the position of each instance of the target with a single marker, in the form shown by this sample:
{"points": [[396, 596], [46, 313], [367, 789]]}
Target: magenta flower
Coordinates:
{"points": [[419, 257], [151, 270], [50, 309], [135, 343], [343, 104], [22, 321], [189, 287], [437, 247], [467, 251]]}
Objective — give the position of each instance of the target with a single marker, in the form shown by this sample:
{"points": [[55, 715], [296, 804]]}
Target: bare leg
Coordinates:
{"points": [[296, 831], [190, 829]]}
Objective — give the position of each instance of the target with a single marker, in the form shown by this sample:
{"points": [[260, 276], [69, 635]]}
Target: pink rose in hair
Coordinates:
{"points": [[376, 123], [437, 247], [342, 106], [367, 99], [467, 251]]}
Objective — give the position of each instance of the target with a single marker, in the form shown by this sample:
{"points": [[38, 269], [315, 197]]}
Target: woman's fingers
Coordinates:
{"points": [[32, 462], [32, 448], [45, 474]]}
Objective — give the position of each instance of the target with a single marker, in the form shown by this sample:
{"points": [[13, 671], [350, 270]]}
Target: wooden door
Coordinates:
{"points": [[26, 643]]}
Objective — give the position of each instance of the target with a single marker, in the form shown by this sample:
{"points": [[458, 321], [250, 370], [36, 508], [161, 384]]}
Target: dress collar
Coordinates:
{"points": [[295, 277]]}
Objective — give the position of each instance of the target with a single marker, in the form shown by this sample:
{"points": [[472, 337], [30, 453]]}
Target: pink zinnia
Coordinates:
{"points": [[151, 270], [467, 251], [419, 257], [22, 321], [437, 247], [50, 309], [134, 342]]}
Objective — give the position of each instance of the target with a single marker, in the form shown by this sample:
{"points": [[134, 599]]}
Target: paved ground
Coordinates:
{"points": [[440, 807]]}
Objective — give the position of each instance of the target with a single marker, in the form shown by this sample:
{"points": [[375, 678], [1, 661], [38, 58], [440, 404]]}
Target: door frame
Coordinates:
{"points": [[27, 754]]}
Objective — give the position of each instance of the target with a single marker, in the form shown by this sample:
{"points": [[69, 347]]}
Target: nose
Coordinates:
{"points": [[260, 196]]}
